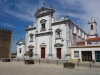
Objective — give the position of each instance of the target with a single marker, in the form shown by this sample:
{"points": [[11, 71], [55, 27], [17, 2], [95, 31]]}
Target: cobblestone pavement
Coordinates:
{"points": [[19, 68]]}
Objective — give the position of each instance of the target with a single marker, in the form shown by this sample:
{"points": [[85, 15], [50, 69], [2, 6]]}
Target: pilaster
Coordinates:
{"points": [[67, 38], [50, 36]]}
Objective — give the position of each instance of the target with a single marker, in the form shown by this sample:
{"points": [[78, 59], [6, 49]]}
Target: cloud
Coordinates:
{"points": [[22, 9], [22, 16], [80, 11], [83, 10], [7, 25]]}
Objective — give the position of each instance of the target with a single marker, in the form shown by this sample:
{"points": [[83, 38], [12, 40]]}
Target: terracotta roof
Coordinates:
{"points": [[80, 42], [94, 39], [85, 47]]}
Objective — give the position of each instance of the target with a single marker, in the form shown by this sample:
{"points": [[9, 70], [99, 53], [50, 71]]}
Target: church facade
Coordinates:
{"points": [[50, 38]]}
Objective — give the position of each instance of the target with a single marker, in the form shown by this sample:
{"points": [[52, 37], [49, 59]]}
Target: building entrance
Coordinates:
{"points": [[86, 56], [58, 53], [43, 52], [97, 56]]}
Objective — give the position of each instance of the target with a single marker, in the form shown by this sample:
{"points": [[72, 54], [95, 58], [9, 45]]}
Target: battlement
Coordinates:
{"points": [[5, 42], [5, 30]]}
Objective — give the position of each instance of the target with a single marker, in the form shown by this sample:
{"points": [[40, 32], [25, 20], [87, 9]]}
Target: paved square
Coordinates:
{"points": [[19, 68]]}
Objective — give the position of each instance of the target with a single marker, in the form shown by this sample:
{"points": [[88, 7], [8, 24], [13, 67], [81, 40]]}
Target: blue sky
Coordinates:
{"points": [[17, 14]]}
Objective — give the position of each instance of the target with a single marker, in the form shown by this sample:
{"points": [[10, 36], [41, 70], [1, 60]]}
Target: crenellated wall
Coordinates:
{"points": [[5, 43]]}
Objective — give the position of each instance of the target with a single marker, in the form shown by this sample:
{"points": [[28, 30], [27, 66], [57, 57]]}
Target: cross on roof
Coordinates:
{"points": [[43, 3]]}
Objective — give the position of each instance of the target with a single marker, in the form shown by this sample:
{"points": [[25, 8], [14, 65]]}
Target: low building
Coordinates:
{"points": [[20, 49], [88, 50], [85, 53]]}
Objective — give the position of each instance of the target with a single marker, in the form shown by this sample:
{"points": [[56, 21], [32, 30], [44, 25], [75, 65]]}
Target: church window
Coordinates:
{"points": [[43, 26], [58, 33], [31, 37], [91, 27], [20, 50], [74, 38], [43, 23]]}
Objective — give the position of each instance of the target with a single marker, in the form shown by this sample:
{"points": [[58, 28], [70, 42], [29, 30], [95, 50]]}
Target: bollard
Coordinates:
{"points": [[39, 61], [78, 62], [90, 64], [48, 61], [18, 60], [57, 62]]}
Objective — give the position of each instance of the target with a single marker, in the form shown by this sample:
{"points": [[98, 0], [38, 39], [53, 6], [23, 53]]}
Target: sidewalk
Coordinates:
{"points": [[19, 68], [60, 62], [88, 65]]}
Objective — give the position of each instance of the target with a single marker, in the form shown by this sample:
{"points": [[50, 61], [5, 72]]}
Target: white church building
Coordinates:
{"points": [[50, 38]]}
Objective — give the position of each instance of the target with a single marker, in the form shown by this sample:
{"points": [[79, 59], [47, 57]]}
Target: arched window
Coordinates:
{"points": [[91, 27], [31, 37], [43, 26], [20, 50], [43, 23], [58, 33]]}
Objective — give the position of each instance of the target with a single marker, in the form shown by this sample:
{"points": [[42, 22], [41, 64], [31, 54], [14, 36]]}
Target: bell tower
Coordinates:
{"points": [[44, 17], [92, 29]]}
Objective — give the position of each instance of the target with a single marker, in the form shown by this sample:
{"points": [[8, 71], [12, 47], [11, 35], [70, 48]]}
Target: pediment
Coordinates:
{"points": [[43, 11], [20, 42], [43, 21], [58, 45], [30, 46], [43, 44]]}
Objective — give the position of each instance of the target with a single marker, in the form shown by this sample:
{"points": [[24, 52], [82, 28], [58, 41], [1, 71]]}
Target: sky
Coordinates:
{"points": [[16, 15]]}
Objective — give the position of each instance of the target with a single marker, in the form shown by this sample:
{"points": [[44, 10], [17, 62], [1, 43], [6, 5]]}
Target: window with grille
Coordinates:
{"points": [[76, 53]]}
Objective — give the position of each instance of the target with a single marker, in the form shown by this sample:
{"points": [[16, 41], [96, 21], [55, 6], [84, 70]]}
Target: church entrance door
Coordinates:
{"points": [[58, 53], [43, 52]]}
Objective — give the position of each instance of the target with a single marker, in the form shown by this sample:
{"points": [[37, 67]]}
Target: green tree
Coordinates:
{"points": [[30, 54]]}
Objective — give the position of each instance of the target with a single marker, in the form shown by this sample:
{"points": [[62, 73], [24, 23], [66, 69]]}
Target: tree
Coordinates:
{"points": [[30, 54]]}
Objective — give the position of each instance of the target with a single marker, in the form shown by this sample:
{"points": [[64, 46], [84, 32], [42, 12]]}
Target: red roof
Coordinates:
{"points": [[94, 39], [80, 42]]}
